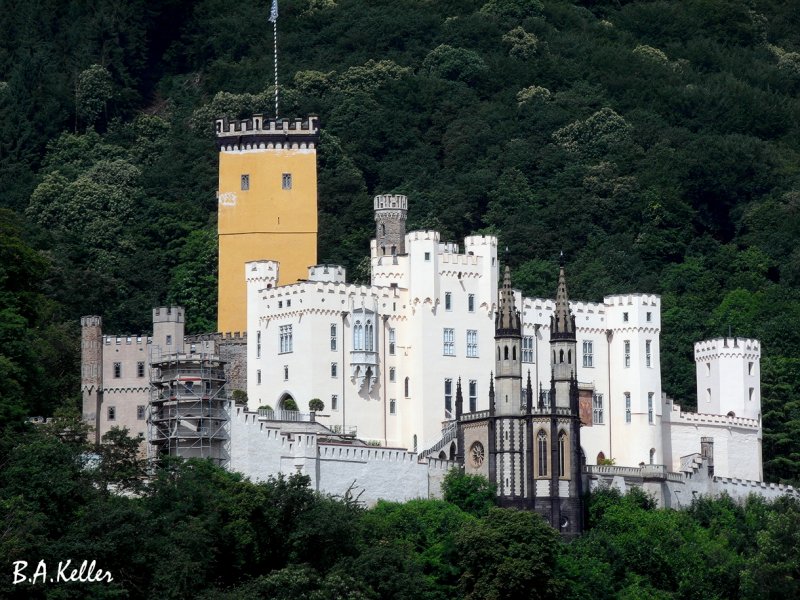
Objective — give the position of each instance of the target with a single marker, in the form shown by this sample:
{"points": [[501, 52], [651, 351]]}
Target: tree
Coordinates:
{"points": [[473, 494], [316, 405], [94, 89]]}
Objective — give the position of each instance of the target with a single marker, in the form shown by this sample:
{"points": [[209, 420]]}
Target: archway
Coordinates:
{"points": [[287, 402]]}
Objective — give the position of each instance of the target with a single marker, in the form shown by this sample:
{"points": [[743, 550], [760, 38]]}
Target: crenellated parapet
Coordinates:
{"points": [[727, 347], [263, 133]]}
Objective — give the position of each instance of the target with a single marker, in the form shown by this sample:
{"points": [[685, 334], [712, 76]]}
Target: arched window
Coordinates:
{"points": [[563, 449], [652, 456], [554, 357], [498, 353], [358, 336], [514, 352], [505, 352], [406, 387], [569, 356], [383, 229], [369, 334], [541, 444], [601, 458], [561, 356]]}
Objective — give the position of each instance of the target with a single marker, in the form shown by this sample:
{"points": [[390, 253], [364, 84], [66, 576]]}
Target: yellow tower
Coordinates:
{"points": [[267, 205]]}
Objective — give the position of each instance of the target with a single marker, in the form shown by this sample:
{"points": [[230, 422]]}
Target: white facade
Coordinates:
{"points": [[385, 358]]}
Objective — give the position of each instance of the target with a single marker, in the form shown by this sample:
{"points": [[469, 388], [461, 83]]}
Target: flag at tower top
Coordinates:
{"points": [[273, 13]]}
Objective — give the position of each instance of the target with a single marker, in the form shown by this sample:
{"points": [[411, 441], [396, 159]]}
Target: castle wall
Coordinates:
{"points": [[260, 449]]}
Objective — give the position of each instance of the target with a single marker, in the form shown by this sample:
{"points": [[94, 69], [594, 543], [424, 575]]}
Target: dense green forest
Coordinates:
{"points": [[198, 531], [654, 142]]}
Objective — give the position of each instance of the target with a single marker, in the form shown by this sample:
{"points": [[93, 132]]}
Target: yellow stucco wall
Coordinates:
{"points": [[265, 222]]}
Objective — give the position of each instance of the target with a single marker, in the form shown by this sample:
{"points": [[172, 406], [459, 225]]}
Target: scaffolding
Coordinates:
{"points": [[188, 407]]}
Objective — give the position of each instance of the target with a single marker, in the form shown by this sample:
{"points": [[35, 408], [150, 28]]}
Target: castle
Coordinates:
{"points": [[413, 371]]}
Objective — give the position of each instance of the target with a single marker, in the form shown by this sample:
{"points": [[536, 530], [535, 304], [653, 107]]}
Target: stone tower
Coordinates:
{"points": [[390, 224], [92, 371], [508, 352], [267, 205], [557, 441]]}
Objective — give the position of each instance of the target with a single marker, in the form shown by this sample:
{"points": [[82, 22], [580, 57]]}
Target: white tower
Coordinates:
{"points": [[729, 377]]}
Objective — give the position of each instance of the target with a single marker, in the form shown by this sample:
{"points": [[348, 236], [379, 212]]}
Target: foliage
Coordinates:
{"points": [[473, 494], [316, 405], [239, 397]]}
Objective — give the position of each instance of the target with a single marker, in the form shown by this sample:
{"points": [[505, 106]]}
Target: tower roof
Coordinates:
{"points": [[562, 323], [507, 321]]}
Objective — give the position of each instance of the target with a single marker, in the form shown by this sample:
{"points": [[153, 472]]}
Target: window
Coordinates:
{"points": [[527, 349], [280, 303], [597, 409], [708, 395], [245, 182], [286, 372], [650, 407], [334, 402], [751, 392], [471, 303], [625, 317], [391, 341], [258, 344], [562, 454], [358, 336], [473, 395], [369, 335], [117, 370], [544, 399], [140, 412], [169, 340], [472, 343], [627, 345], [333, 336], [288, 303], [258, 377], [392, 373], [415, 442], [448, 397], [588, 354], [112, 413], [406, 388], [449, 342], [541, 444], [286, 338], [286, 181], [708, 369], [334, 369], [627, 407], [750, 368], [647, 353], [140, 368], [427, 256], [392, 406], [448, 301], [649, 317]]}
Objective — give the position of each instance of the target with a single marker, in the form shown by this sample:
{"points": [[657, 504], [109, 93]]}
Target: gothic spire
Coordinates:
{"points": [[562, 323], [507, 321]]}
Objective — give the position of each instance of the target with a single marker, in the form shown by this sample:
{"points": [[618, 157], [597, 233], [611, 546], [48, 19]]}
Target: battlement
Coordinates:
{"points": [[168, 314], [633, 300], [727, 347], [480, 240], [258, 124], [423, 235], [327, 273], [677, 415], [92, 321], [262, 270], [391, 202], [229, 336]]}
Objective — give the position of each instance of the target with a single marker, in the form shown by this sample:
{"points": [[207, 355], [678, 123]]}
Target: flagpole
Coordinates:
{"points": [[273, 17], [275, 40]]}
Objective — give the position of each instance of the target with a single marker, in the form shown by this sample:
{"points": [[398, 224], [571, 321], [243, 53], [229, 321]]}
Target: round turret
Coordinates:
{"points": [[390, 224]]}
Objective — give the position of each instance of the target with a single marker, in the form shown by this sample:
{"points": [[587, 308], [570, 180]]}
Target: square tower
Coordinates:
{"points": [[267, 205]]}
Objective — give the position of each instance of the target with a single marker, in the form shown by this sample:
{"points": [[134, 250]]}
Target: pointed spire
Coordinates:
{"points": [[562, 322], [491, 393], [459, 400], [529, 394], [507, 321]]}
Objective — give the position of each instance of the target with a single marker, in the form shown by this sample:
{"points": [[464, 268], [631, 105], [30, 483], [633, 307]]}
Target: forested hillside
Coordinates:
{"points": [[654, 142]]}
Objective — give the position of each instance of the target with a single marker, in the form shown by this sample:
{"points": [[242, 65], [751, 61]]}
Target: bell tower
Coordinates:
{"points": [[267, 205], [508, 352]]}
